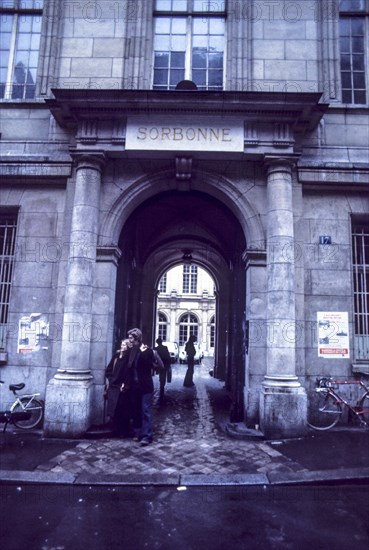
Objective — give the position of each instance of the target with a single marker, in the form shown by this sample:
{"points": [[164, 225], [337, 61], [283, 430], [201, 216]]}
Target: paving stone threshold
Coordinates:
{"points": [[188, 480]]}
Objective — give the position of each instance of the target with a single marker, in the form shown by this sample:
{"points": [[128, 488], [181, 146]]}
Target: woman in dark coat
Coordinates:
{"points": [[191, 352], [118, 391]]}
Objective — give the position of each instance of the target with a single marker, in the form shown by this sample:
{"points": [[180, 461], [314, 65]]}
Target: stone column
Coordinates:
{"points": [[69, 393], [283, 400]]}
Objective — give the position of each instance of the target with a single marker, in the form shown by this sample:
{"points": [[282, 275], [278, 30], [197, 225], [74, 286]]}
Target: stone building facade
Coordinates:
{"points": [[186, 305], [133, 130]]}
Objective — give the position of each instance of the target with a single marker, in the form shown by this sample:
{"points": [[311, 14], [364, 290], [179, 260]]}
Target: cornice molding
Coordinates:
{"points": [[69, 107]]}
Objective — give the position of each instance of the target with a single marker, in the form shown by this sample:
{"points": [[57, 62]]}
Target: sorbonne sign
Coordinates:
{"points": [[184, 134]]}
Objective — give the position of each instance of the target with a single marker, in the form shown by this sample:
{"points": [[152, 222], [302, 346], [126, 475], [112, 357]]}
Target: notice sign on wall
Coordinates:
{"points": [[33, 333], [333, 334]]}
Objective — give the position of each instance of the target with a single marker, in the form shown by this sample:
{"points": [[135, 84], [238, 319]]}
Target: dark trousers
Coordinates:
{"points": [[188, 381], [136, 410], [122, 415]]}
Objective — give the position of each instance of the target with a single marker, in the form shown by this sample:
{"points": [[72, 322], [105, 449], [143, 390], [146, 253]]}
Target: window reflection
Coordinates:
{"points": [[19, 50], [188, 47]]}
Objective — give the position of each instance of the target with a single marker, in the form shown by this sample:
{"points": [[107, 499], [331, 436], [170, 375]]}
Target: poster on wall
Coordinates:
{"points": [[33, 333], [333, 334]]}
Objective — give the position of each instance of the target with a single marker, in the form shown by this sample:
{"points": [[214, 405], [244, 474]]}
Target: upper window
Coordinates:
{"points": [[354, 47], [189, 43], [20, 29], [163, 283], [189, 279]]}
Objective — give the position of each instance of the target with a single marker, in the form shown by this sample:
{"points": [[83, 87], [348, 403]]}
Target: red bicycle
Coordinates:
{"points": [[326, 408]]}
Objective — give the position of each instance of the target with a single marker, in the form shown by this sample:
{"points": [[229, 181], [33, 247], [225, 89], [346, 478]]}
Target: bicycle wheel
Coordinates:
{"points": [[34, 407], [364, 408], [324, 413]]}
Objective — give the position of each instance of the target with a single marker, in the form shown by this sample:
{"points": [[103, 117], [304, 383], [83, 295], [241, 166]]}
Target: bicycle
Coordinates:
{"points": [[26, 412], [330, 403]]}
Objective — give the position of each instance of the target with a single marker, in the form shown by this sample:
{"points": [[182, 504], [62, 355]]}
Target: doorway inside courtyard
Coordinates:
{"points": [[194, 233]]}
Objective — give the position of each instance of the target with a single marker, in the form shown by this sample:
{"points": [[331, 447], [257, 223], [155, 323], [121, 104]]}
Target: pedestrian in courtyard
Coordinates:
{"points": [[118, 391], [140, 365], [165, 374], [191, 352]]}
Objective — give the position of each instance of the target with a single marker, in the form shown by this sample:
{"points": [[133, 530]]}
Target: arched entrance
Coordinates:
{"points": [[153, 239], [137, 197]]}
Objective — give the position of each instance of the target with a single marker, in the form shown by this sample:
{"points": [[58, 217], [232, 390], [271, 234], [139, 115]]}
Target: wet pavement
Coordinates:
{"points": [[191, 446], [75, 517]]}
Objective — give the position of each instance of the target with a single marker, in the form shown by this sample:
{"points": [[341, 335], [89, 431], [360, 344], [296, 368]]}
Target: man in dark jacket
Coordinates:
{"points": [[140, 364], [164, 374]]}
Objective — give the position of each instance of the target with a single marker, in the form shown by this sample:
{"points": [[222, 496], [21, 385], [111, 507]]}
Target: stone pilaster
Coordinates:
{"points": [[283, 400], [255, 342], [69, 393]]}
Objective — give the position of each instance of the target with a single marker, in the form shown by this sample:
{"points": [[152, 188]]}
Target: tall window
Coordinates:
{"points": [[8, 226], [162, 326], [189, 279], [212, 331], [163, 283], [360, 258], [188, 325], [20, 30], [189, 43], [354, 48]]}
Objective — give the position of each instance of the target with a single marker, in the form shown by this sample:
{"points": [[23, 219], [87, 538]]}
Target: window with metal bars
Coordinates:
{"points": [[354, 46], [189, 279], [20, 30], [8, 228], [360, 261], [189, 43]]}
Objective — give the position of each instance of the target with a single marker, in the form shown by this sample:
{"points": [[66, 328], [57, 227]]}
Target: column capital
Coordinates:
{"points": [[254, 257], [108, 253], [93, 160], [278, 163]]}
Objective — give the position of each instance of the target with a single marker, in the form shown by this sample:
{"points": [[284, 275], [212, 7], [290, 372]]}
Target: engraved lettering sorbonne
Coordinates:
{"points": [[177, 133]]}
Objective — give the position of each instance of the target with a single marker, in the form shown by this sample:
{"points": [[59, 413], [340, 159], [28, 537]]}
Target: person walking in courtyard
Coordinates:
{"points": [[118, 391], [140, 364], [191, 352], [164, 374]]}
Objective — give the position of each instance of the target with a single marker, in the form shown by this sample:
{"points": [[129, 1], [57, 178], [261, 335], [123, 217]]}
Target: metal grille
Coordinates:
{"points": [[8, 226], [360, 253]]}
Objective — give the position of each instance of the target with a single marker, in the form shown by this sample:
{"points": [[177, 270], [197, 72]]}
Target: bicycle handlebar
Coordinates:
{"points": [[325, 382]]}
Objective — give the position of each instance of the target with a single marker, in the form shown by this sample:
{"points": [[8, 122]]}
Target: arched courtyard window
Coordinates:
{"points": [[188, 325], [162, 326]]}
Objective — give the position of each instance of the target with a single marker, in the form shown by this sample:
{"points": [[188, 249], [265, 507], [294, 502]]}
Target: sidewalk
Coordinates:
{"points": [[191, 447]]}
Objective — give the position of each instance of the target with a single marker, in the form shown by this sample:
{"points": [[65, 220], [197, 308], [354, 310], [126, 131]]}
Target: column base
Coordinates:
{"points": [[283, 412], [68, 406]]}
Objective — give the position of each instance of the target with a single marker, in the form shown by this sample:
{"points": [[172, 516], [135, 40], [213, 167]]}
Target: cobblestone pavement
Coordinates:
{"points": [[188, 439]]}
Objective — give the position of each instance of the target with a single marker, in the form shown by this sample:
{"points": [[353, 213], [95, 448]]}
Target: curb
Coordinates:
{"points": [[188, 480]]}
